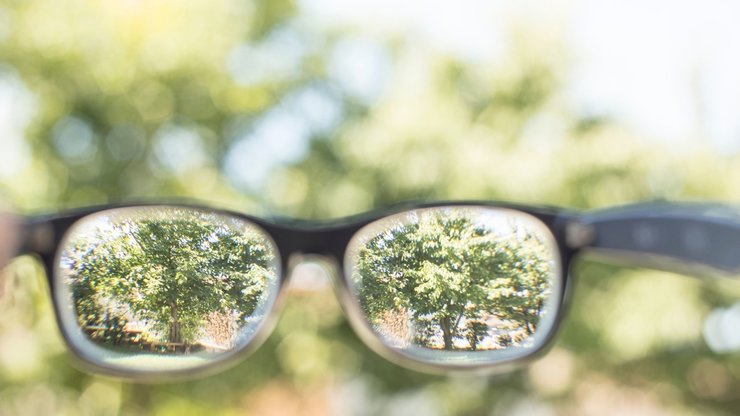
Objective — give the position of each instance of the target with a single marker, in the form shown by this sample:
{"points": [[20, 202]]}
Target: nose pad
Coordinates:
{"points": [[312, 273]]}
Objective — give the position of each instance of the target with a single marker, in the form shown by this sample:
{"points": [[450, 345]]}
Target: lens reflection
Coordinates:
{"points": [[164, 287], [457, 282]]}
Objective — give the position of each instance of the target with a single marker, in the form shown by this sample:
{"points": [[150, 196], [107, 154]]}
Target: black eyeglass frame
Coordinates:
{"points": [[652, 235]]}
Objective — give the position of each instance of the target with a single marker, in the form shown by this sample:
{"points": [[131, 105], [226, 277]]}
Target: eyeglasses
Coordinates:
{"points": [[162, 291]]}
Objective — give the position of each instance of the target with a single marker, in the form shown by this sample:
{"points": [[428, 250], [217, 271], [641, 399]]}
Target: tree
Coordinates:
{"points": [[449, 272], [171, 268]]}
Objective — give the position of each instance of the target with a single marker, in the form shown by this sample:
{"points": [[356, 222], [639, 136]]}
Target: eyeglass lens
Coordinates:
{"points": [[457, 284], [162, 287]]}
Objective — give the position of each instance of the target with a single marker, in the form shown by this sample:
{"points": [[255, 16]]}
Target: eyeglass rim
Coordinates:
{"points": [[57, 226], [217, 364], [364, 330]]}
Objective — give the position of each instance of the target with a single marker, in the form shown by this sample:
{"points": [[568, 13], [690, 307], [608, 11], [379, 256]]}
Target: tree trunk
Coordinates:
{"points": [[528, 327], [446, 324], [175, 335]]}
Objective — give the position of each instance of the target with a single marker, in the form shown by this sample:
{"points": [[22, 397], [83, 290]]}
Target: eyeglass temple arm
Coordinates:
{"points": [[675, 237]]}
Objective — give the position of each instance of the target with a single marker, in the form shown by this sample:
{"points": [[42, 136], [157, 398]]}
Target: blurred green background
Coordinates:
{"points": [[321, 108]]}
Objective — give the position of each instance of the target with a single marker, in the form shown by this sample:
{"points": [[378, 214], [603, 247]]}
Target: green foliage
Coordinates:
{"points": [[171, 269], [450, 273]]}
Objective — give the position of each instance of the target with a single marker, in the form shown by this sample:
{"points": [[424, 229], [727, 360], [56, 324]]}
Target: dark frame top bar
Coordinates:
{"points": [[663, 235]]}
